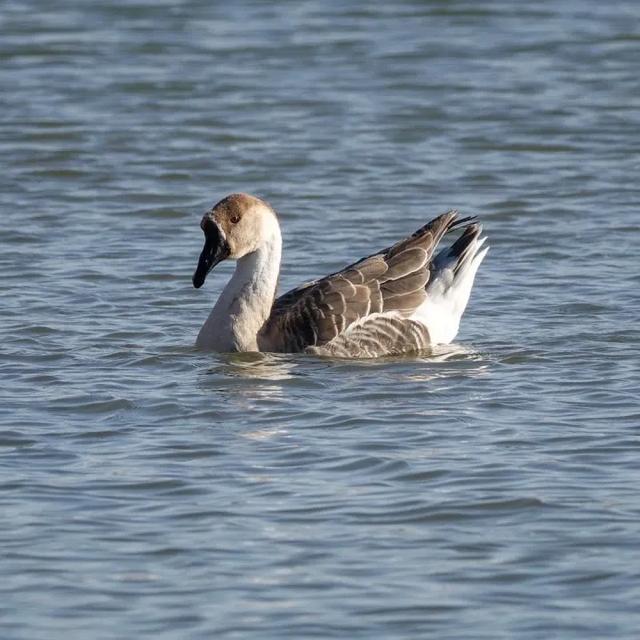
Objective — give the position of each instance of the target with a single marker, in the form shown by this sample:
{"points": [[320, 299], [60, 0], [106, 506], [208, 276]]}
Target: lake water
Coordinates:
{"points": [[151, 491]]}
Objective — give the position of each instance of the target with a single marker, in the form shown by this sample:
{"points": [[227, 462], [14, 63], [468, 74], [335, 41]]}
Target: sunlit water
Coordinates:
{"points": [[151, 491]]}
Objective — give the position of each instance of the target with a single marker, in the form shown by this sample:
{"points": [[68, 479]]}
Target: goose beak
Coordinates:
{"points": [[215, 250]]}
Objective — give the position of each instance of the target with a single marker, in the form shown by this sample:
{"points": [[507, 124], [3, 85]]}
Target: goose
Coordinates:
{"points": [[403, 299]]}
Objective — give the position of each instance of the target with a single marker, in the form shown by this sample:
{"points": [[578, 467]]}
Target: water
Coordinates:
{"points": [[148, 490]]}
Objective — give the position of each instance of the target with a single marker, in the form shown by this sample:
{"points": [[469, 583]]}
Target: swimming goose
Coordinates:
{"points": [[402, 299]]}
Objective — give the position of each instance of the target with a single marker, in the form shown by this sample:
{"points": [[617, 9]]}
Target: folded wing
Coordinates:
{"points": [[369, 301]]}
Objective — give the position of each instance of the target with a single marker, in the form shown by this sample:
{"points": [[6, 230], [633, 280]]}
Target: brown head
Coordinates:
{"points": [[235, 227]]}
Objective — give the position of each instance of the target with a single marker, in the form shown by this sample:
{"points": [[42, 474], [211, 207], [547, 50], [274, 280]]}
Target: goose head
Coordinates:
{"points": [[235, 227]]}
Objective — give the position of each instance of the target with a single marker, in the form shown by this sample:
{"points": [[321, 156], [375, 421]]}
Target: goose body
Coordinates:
{"points": [[402, 299]]}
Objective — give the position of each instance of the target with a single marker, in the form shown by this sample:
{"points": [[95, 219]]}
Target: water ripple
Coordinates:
{"points": [[151, 490]]}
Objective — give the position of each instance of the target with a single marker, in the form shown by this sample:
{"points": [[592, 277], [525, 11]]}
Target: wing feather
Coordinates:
{"points": [[337, 307]]}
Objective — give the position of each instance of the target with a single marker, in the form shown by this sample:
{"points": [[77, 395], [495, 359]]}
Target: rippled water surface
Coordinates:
{"points": [[147, 490]]}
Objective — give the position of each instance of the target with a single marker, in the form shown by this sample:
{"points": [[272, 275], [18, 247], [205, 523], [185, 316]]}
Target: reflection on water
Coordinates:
{"points": [[264, 434], [281, 367], [247, 378], [260, 366]]}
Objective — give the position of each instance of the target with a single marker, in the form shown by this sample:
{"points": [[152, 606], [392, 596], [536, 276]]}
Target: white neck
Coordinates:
{"points": [[246, 301]]}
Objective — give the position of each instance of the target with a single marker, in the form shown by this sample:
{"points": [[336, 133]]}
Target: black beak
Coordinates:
{"points": [[215, 250]]}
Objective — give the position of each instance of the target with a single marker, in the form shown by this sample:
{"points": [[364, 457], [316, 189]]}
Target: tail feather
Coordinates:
{"points": [[453, 271], [457, 224]]}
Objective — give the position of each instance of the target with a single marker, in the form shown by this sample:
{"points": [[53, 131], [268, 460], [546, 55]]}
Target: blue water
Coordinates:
{"points": [[149, 490]]}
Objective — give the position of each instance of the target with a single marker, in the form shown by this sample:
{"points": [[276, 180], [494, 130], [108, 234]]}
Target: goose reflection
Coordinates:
{"points": [[249, 380], [257, 366], [249, 377]]}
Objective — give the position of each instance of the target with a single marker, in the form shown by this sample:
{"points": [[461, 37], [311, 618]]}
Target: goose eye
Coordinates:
{"points": [[235, 219]]}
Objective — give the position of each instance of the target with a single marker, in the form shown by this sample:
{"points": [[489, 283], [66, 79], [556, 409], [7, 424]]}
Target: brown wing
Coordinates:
{"points": [[393, 280]]}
